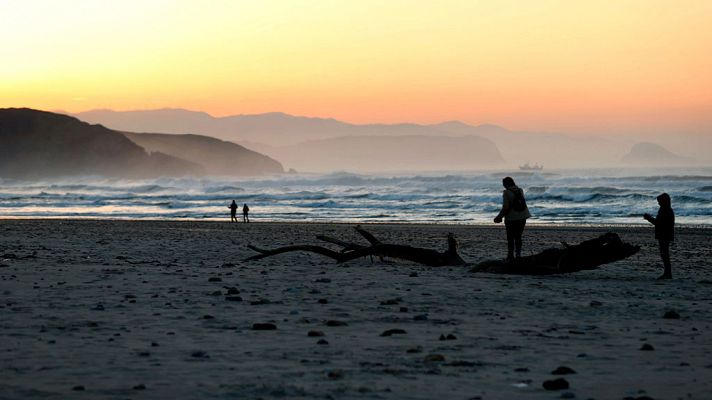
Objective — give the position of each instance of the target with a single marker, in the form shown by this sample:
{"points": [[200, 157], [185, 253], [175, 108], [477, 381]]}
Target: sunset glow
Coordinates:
{"points": [[576, 66]]}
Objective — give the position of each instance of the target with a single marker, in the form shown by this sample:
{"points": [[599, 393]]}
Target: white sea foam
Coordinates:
{"points": [[586, 197]]}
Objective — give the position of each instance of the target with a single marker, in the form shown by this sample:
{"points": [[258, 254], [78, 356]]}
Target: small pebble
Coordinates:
{"points": [[264, 327], [392, 332], [434, 358], [336, 323], [556, 384], [563, 371], [671, 315], [335, 374]]}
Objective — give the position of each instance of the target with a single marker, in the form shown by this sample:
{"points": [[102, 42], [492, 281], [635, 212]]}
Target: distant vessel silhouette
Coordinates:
{"points": [[531, 167]]}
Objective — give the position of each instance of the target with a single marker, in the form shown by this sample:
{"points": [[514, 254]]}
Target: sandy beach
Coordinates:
{"points": [[148, 310]]}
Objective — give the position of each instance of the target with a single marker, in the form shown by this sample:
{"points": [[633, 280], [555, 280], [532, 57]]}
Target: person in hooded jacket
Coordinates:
{"points": [[664, 231], [515, 213]]}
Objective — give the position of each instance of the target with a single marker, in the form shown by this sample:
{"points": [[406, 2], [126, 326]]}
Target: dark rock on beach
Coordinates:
{"points": [[199, 354], [263, 327], [556, 384], [336, 323], [671, 315], [562, 370], [392, 332]]}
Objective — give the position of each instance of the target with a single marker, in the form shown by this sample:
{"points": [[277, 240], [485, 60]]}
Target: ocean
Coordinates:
{"points": [[604, 196]]}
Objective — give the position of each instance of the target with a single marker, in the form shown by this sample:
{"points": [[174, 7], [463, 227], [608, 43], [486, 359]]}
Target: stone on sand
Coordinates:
{"points": [[263, 327], [555, 384]]}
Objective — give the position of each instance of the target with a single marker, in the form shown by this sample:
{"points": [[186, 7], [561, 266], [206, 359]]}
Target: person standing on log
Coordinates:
{"points": [[233, 211], [664, 231], [245, 211], [515, 213]]}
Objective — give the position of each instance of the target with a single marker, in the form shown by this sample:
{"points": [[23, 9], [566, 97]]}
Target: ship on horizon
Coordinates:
{"points": [[531, 167]]}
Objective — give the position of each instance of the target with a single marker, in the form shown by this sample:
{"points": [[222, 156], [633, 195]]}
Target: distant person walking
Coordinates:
{"points": [[515, 213], [664, 231], [233, 211], [245, 212]]}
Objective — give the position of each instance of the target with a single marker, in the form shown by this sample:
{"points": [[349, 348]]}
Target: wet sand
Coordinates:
{"points": [[139, 309]]}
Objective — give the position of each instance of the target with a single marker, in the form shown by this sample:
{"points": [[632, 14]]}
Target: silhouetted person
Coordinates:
{"points": [[664, 231], [515, 213], [233, 211], [245, 211]]}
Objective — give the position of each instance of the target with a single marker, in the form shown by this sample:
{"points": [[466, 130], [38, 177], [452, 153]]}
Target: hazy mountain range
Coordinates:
{"points": [[38, 144], [216, 156], [323, 144], [651, 154], [42, 144]]}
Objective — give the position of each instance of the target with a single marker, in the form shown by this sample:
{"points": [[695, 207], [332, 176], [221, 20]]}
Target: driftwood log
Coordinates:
{"points": [[589, 254], [351, 251]]}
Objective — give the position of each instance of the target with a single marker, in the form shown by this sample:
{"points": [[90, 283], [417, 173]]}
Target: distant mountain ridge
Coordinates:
{"points": [[652, 154], [275, 133], [320, 144], [273, 128], [216, 156], [39, 144], [390, 153]]}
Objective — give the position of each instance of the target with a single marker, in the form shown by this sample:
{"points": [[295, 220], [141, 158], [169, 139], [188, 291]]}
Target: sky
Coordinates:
{"points": [[602, 66]]}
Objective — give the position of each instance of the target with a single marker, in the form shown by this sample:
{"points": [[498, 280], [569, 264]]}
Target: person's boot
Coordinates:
{"points": [[665, 275]]}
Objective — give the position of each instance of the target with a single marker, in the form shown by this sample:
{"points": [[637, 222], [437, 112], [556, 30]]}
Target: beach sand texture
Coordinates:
{"points": [[139, 309]]}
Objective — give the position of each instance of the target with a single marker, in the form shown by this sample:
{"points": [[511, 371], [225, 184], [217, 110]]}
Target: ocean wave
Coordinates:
{"points": [[351, 197], [223, 188], [584, 197], [677, 178]]}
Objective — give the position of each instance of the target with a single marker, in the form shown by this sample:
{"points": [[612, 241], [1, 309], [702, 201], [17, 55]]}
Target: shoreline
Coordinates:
{"points": [[530, 225]]}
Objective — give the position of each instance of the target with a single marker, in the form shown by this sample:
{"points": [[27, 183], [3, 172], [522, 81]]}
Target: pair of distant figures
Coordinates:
{"points": [[233, 212], [515, 213]]}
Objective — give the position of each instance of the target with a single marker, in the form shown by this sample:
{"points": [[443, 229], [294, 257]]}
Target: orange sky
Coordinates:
{"points": [[575, 66]]}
